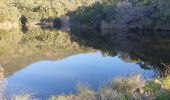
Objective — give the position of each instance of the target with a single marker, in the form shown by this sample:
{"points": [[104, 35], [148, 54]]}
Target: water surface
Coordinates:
{"points": [[49, 62], [48, 78]]}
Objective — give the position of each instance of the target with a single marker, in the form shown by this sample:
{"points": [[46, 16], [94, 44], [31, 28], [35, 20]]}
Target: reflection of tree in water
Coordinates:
{"points": [[148, 49], [19, 50], [2, 82]]}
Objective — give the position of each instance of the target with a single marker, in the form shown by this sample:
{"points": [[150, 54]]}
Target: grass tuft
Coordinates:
{"points": [[126, 84], [22, 97]]}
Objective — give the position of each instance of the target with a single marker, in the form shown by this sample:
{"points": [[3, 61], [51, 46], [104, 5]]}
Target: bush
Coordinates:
{"points": [[152, 87], [8, 12], [126, 84]]}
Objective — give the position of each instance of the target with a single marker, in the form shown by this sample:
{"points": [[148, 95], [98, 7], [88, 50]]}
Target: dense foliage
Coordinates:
{"points": [[8, 12], [37, 9], [88, 12]]}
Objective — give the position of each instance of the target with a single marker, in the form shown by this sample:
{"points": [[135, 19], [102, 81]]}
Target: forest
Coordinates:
{"points": [[135, 14]]}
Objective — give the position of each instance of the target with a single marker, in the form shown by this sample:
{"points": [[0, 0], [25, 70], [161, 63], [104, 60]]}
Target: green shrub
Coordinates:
{"points": [[152, 87]]}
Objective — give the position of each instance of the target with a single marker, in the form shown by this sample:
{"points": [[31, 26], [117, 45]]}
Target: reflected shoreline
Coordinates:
{"points": [[148, 51]]}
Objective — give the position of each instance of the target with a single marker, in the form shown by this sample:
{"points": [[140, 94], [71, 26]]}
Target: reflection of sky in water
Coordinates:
{"points": [[55, 77]]}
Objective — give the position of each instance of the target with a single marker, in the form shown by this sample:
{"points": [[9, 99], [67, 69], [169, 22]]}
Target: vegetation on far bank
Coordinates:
{"points": [[142, 14]]}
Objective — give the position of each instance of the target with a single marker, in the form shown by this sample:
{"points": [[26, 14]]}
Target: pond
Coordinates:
{"points": [[44, 70], [47, 78]]}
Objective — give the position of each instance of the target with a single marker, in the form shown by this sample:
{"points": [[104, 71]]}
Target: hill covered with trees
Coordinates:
{"points": [[141, 14]]}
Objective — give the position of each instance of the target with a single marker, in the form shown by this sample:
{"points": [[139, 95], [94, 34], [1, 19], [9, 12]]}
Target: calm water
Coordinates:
{"points": [[48, 63], [46, 78]]}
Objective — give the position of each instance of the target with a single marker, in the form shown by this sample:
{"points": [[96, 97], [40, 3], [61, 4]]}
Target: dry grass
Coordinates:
{"points": [[22, 97], [119, 88], [125, 84]]}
